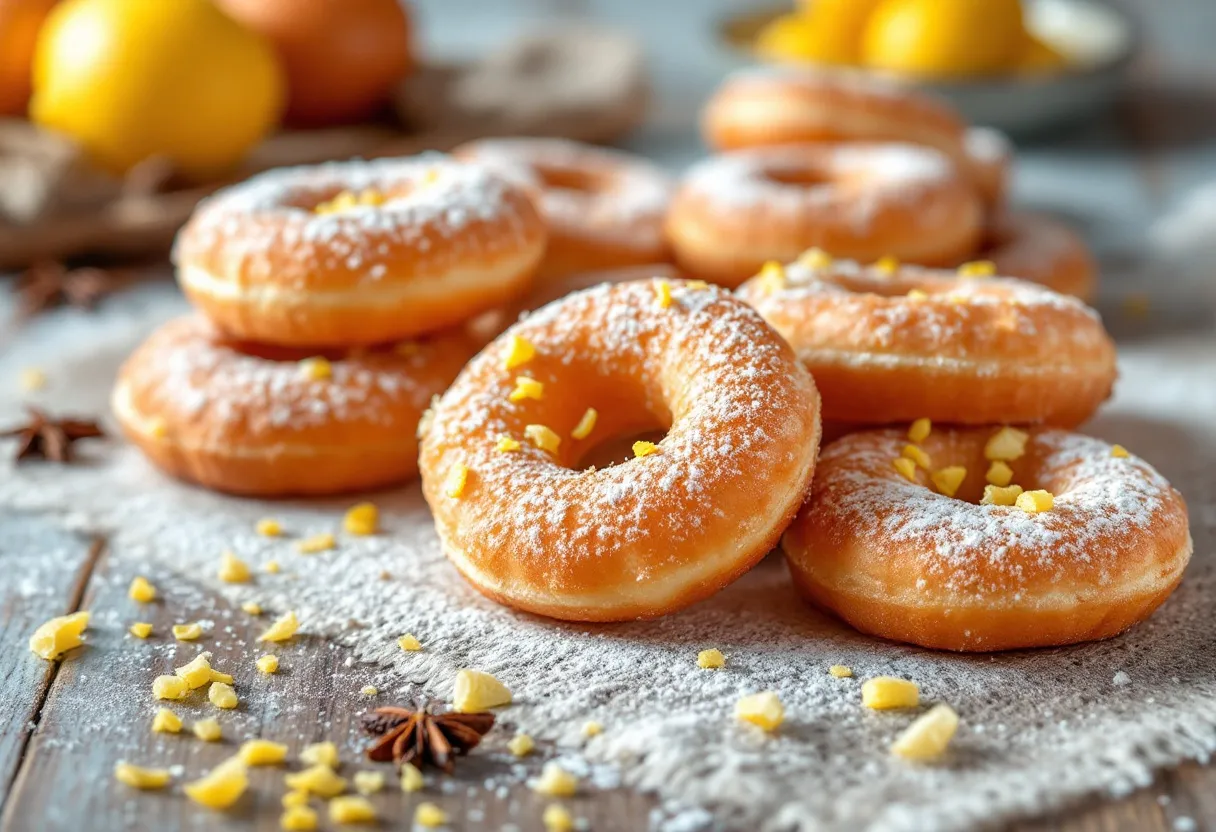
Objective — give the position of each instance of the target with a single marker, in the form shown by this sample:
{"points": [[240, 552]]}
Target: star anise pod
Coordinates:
{"points": [[417, 736], [48, 284], [50, 438]]}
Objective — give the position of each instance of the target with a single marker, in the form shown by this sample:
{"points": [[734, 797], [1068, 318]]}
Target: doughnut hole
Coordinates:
{"points": [[570, 178], [966, 448], [799, 177]]}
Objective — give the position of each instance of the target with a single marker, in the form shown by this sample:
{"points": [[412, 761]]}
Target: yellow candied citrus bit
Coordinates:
{"points": [[999, 473], [592, 729], [918, 456], [949, 479], [369, 690], [294, 797], [429, 816], [996, 495], [519, 352], [409, 643], [158, 427], [272, 567], [977, 268], [217, 676], [369, 782], [456, 480], [763, 709], [208, 730], [252, 607], [543, 437], [555, 781], [222, 696], [521, 745], [166, 722], [1033, 502], [170, 687], [840, 671], [298, 819], [917, 294], [262, 752], [317, 543], [928, 736], [351, 808], [695, 285], [886, 692], [906, 467], [233, 570], [642, 448], [772, 276], [1119, 452], [662, 293], [557, 818], [506, 444], [222, 787], [138, 777], [815, 258], [411, 779], [188, 631], [316, 368], [586, 424], [196, 672], [283, 628], [32, 379], [477, 691], [269, 527], [361, 519], [318, 779], [141, 590], [527, 388], [268, 664], [140, 629], [711, 659], [341, 201], [1006, 444], [887, 264], [919, 430], [320, 754]]}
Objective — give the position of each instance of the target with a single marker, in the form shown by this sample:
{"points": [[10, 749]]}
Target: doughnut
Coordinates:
{"points": [[894, 344], [274, 421], [604, 208], [1100, 545], [358, 252], [1042, 250], [795, 105], [734, 212], [506, 451]]}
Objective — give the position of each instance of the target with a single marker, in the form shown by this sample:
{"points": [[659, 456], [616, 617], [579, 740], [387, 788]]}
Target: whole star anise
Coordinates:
{"points": [[418, 736], [50, 438], [49, 283]]}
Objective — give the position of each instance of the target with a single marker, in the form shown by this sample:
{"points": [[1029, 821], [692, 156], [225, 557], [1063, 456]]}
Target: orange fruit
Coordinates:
{"points": [[20, 21], [945, 38]]}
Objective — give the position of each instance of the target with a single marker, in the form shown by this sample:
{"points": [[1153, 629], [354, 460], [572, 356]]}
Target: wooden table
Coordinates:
{"points": [[55, 764]]}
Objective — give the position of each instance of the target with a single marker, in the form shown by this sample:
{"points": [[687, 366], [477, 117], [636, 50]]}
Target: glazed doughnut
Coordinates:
{"points": [[734, 212], [358, 252], [901, 560], [258, 420], [891, 346], [529, 524], [604, 208], [795, 105], [1042, 250]]}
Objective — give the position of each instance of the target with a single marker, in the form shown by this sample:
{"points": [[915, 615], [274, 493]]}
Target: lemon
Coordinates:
{"points": [[827, 31], [130, 79], [945, 38], [1040, 57]]}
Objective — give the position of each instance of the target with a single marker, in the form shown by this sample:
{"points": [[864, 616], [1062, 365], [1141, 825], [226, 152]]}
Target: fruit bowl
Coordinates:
{"points": [[1098, 40]]}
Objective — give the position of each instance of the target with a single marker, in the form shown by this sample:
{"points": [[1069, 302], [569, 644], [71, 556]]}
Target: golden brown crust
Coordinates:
{"points": [[604, 208], [970, 351], [895, 559], [451, 240], [733, 213], [543, 532], [1042, 250], [246, 420]]}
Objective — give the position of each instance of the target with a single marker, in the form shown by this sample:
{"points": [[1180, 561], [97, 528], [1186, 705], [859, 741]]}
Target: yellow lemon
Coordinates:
{"points": [[827, 31], [945, 38], [130, 79]]}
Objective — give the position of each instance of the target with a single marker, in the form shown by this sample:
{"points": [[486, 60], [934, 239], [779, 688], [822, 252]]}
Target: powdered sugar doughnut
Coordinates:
{"points": [[734, 212], [892, 346], [1042, 250], [604, 208], [769, 106], [358, 252], [504, 456], [900, 560], [252, 419]]}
